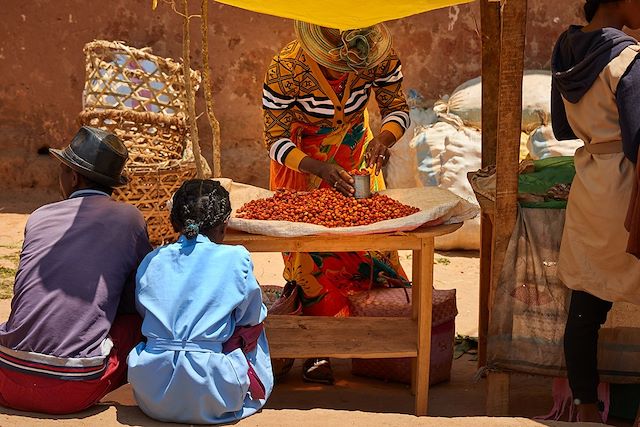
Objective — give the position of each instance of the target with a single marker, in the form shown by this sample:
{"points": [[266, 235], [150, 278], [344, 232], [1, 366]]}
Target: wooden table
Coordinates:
{"points": [[359, 337]]}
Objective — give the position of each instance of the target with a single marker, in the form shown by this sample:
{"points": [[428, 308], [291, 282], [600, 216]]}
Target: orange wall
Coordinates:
{"points": [[42, 68]]}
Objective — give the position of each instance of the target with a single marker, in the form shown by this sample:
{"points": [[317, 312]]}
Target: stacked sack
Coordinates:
{"points": [[450, 145], [140, 97]]}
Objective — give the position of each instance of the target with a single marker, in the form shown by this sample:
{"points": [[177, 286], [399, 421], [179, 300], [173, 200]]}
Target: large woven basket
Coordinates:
{"points": [[150, 188], [151, 138], [125, 78], [140, 97]]}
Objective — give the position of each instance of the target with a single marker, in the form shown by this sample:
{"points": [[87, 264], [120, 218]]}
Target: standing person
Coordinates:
{"points": [[73, 318], [206, 358], [315, 96], [596, 97]]}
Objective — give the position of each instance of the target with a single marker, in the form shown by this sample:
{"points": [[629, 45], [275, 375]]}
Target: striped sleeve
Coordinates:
{"points": [[278, 98], [388, 90]]}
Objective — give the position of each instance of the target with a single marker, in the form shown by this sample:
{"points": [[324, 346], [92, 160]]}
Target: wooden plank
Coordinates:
{"points": [[491, 36], [490, 24], [486, 243], [436, 231], [352, 337], [513, 31], [335, 243], [424, 326], [498, 386], [514, 13], [324, 243], [415, 305], [416, 272]]}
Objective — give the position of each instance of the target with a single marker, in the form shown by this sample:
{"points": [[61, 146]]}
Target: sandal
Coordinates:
{"points": [[317, 371]]}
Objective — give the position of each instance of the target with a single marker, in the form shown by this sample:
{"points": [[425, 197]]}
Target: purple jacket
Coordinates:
{"points": [[78, 263]]}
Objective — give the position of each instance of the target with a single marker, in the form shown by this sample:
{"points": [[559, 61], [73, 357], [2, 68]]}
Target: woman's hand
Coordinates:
{"points": [[330, 173], [377, 154]]}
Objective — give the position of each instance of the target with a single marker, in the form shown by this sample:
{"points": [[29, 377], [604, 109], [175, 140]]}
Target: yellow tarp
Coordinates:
{"points": [[342, 14]]}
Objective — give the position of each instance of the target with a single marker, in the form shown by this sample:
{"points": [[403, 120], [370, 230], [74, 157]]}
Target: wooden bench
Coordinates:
{"points": [[359, 337]]}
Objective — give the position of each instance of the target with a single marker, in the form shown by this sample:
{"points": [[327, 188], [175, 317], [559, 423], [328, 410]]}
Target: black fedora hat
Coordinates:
{"points": [[97, 155]]}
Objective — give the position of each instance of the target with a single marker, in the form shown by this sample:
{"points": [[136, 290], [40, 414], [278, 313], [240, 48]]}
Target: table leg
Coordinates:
{"points": [[498, 393], [415, 299], [486, 248], [424, 298]]}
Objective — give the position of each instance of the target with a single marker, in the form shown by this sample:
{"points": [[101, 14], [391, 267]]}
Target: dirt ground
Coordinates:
{"points": [[352, 401]]}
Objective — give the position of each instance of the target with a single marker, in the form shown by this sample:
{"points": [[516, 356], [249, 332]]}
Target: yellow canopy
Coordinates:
{"points": [[342, 14]]}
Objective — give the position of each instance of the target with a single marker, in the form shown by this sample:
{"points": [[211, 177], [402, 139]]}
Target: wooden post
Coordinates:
{"points": [[498, 385], [513, 31], [416, 273], [490, 34], [424, 325], [189, 93], [208, 96], [486, 245], [514, 15]]}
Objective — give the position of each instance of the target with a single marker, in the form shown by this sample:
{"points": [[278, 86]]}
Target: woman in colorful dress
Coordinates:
{"points": [[206, 359], [596, 97], [315, 96]]}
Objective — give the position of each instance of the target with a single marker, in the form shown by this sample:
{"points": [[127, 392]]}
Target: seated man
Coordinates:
{"points": [[68, 335]]}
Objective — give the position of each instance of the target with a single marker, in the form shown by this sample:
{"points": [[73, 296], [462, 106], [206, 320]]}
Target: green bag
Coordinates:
{"points": [[549, 172]]}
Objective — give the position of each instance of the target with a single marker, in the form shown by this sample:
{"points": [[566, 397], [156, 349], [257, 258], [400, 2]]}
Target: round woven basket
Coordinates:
{"points": [[150, 188], [151, 138], [126, 78]]}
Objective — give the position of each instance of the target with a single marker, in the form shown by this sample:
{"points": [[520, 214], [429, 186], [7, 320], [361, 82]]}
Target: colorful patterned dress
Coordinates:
{"points": [[307, 115]]}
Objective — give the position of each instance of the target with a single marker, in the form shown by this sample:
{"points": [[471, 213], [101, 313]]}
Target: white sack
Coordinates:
{"points": [[462, 154], [402, 169], [429, 145], [542, 144], [466, 101]]}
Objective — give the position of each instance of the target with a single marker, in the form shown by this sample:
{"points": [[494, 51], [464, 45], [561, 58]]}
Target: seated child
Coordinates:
{"points": [[206, 358]]}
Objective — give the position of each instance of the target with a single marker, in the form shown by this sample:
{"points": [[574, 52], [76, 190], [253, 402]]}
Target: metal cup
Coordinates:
{"points": [[362, 185]]}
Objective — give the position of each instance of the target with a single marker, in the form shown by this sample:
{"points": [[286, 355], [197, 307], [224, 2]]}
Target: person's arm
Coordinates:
{"points": [[394, 110], [628, 101], [278, 98], [331, 173], [251, 311], [127, 299], [559, 123]]}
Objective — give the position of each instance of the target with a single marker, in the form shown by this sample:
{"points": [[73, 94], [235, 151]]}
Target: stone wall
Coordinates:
{"points": [[42, 68]]}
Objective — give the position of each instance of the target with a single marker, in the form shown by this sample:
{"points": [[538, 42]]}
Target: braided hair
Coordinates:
{"points": [[199, 206], [591, 7]]}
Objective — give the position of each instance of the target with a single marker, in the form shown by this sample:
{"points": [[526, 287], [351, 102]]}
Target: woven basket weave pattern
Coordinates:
{"points": [[151, 138], [149, 190], [140, 97], [125, 78]]}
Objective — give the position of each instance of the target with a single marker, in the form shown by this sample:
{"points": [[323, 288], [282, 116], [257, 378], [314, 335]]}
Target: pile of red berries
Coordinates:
{"points": [[325, 207]]}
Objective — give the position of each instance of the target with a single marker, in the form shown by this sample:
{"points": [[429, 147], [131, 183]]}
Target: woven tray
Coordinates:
{"points": [[126, 78], [149, 189]]}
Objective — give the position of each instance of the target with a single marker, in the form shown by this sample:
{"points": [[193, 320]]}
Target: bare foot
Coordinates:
{"points": [[636, 423], [588, 413]]}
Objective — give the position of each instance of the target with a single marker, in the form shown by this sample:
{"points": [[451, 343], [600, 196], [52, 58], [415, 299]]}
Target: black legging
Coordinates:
{"points": [[586, 314]]}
